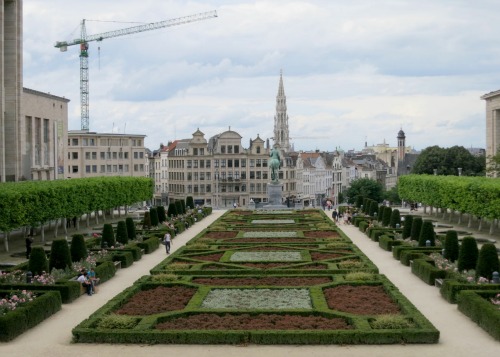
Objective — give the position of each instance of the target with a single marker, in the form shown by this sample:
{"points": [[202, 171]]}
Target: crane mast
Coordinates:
{"points": [[84, 40]]}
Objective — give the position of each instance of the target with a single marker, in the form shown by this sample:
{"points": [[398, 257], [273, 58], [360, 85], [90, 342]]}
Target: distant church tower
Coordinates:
{"points": [[401, 145], [281, 132]]}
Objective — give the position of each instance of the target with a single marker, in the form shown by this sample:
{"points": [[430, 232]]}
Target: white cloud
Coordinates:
{"points": [[351, 69]]}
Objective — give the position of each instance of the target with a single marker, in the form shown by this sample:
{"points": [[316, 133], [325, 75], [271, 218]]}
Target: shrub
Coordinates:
{"points": [[154, 216], [108, 236], [172, 210], [467, 254], [189, 202], [373, 208], [360, 275], [60, 257], [183, 206], [130, 228], [164, 278], [395, 218], [416, 227], [162, 216], [451, 246], [147, 220], [117, 322], [121, 232], [178, 207], [380, 213], [38, 261], [427, 234], [407, 226], [487, 261], [386, 219], [78, 249], [391, 322], [359, 201]]}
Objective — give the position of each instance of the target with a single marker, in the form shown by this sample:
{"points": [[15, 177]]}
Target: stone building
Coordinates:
{"points": [[492, 123]]}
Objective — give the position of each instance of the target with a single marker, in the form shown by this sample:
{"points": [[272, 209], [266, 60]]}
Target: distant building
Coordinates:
{"points": [[91, 154], [492, 122]]}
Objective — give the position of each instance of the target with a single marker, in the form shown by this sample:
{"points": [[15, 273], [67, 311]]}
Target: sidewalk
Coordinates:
{"points": [[460, 337]]}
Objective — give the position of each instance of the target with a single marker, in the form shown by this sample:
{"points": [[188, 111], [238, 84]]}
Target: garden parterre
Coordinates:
{"points": [[260, 310]]}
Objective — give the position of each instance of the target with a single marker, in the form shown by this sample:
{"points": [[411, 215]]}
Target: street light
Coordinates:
{"points": [[459, 171], [435, 172]]}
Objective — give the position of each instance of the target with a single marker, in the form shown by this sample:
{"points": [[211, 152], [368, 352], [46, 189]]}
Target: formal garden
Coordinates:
{"points": [[262, 277]]}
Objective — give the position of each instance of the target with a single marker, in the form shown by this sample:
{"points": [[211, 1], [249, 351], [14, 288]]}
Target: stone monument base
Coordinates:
{"points": [[274, 192]]}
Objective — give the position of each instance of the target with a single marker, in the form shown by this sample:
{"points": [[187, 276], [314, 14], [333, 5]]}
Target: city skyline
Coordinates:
{"points": [[352, 72]]}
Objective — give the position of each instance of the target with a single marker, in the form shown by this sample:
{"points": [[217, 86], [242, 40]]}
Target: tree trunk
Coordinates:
{"points": [[492, 227], [6, 240], [88, 220], [469, 225], [425, 209], [56, 227], [42, 232], [97, 217], [65, 225], [480, 224]]}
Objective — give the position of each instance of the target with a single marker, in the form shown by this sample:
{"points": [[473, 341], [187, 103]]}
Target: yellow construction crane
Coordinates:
{"points": [[84, 40]]}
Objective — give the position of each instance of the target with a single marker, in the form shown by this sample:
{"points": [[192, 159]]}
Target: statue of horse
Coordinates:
{"points": [[274, 164]]}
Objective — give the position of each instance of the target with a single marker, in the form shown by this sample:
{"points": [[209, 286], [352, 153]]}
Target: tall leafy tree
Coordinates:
{"points": [[364, 187], [447, 161]]}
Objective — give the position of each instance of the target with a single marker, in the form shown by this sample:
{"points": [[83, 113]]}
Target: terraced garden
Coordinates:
{"points": [[263, 277]]}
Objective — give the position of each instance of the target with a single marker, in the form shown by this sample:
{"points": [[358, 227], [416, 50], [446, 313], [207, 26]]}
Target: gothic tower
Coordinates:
{"points": [[281, 132]]}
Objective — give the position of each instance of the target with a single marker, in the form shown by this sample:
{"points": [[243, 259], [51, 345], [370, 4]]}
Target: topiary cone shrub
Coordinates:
{"points": [[172, 210], [162, 216], [386, 219], [38, 261], [78, 249], [178, 207], [487, 262], [147, 220], [183, 206], [130, 228], [467, 254], [108, 236], [154, 216], [189, 202], [407, 226], [416, 227], [380, 213], [60, 257], [427, 234], [373, 208], [359, 201], [395, 218], [451, 246], [121, 233]]}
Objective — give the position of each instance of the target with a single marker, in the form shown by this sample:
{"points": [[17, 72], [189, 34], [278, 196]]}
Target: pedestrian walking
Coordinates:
{"points": [[167, 240]]}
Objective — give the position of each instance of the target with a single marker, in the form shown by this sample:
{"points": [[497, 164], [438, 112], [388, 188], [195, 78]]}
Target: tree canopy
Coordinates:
{"points": [[447, 161], [364, 187]]}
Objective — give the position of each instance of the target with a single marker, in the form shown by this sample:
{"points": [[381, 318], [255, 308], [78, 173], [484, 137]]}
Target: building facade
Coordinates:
{"points": [[91, 154], [492, 123]]}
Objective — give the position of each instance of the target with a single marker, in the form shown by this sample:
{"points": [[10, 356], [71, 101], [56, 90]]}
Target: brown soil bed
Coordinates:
{"points": [[361, 300], [320, 234], [220, 235], [274, 240], [275, 281], [249, 322], [157, 300], [209, 257], [323, 256], [265, 265]]}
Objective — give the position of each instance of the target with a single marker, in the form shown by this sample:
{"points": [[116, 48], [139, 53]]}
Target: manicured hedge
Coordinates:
{"points": [[476, 305], [451, 289], [149, 245], [15, 322], [69, 290], [424, 268]]}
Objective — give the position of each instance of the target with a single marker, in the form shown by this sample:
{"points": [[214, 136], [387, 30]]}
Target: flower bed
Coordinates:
{"points": [[324, 291]]}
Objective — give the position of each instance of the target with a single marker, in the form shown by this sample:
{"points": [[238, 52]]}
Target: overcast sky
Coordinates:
{"points": [[353, 71]]}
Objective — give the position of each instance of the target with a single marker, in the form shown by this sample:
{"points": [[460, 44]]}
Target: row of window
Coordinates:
{"points": [[106, 155], [105, 142], [106, 168]]}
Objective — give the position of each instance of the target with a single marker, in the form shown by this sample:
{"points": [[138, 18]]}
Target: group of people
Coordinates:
{"points": [[345, 217], [88, 280]]}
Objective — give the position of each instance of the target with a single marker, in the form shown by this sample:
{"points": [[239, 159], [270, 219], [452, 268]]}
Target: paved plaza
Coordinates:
{"points": [[459, 335]]}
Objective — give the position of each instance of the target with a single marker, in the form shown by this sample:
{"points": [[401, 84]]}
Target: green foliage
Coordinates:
{"points": [[427, 234], [380, 213], [121, 232], [189, 202], [172, 210], [130, 228], [373, 208], [416, 227], [78, 249], [447, 161], [147, 220], [476, 306], [117, 322], [391, 322], [153, 213], [451, 246], [407, 226], [60, 257], [341, 197], [365, 187], [183, 206], [391, 195], [360, 276], [178, 207], [359, 201], [108, 235], [33, 202], [468, 254], [395, 218], [493, 166], [162, 216], [487, 261], [386, 218], [38, 262], [164, 278]]}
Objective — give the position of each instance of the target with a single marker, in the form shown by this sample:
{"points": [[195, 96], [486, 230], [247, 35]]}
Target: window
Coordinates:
{"points": [[229, 149], [103, 155], [243, 188], [252, 163], [258, 149], [74, 142], [87, 169], [229, 163], [189, 164], [258, 175], [264, 162], [195, 151], [202, 164], [120, 155], [216, 163], [259, 163], [103, 168], [92, 142], [108, 155], [196, 176], [74, 155], [136, 167], [125, 155], [136, 155], [126, 168], [115, 155], [207, 164], [108, 168], [236, 149], [223, 163], [141, 167], [195, 162], [115, 168], [87, 156], [236, 163], [252, 175], [85, 142], [243, 162], [141, 155], [74, 169], [120, 168], [94, 155], [223, 149], [202, 151], [243, 175]]}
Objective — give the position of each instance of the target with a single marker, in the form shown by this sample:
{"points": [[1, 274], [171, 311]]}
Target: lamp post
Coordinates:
{"points": [[459, 171], [435, 172]]}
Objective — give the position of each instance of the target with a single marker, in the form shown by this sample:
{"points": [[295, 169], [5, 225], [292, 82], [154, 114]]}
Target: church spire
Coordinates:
{"points": [[281, 132]]}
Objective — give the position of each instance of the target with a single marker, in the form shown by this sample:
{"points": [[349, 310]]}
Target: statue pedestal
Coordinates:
{"points": [[274, 192]]}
